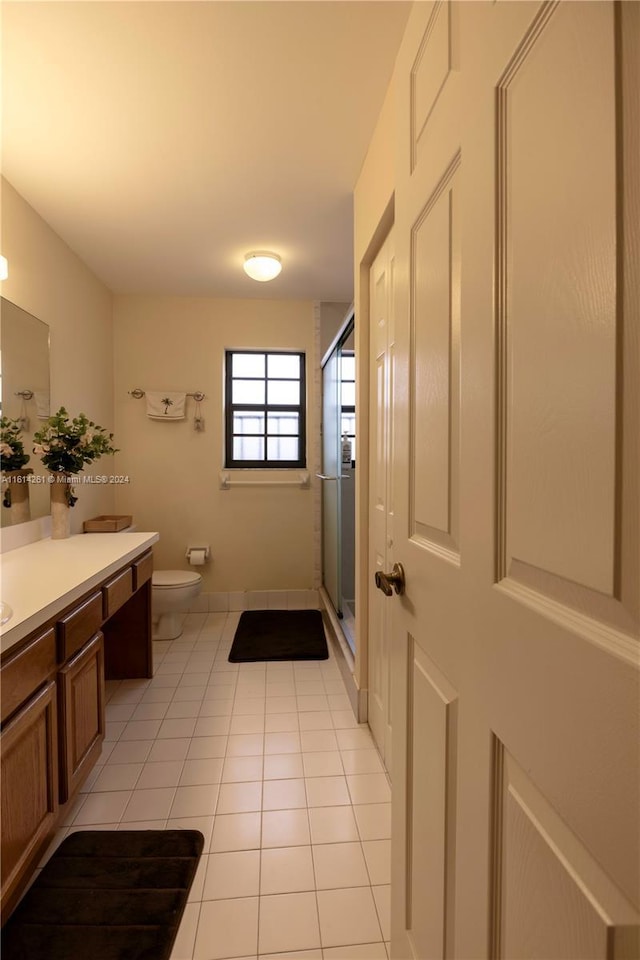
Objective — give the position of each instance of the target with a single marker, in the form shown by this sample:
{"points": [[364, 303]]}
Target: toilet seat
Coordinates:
{"points": [[174, 579]]}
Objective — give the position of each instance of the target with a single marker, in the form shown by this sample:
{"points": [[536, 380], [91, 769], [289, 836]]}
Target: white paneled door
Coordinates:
{"points": [[516, 762], [381, 392]]}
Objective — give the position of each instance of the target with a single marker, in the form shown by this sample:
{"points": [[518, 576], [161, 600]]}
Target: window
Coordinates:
{"points": [[265, 409]]}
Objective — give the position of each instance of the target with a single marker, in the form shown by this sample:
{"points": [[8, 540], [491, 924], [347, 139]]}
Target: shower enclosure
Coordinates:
{"points": [[338, 477]]}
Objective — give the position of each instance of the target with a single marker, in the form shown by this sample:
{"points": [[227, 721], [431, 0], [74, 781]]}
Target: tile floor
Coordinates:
{"points": [[269, 763]]}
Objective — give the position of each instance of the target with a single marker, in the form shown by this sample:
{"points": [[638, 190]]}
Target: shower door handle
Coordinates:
{"points": [[322, 476], [388, 582]]}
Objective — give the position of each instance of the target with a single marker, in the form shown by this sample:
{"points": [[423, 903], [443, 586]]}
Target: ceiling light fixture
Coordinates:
{"points": [[262, 265]]}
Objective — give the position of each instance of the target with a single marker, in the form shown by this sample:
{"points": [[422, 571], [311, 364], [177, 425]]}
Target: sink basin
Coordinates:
{"points": [[5, 613]]}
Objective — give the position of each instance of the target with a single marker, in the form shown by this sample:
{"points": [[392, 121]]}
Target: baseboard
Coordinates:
{"points": [[238, 600]]}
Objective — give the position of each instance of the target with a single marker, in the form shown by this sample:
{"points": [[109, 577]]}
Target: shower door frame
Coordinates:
{"points": [[332, 475]]}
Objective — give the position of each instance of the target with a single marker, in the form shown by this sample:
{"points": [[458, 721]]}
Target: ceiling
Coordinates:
{"points": [[163, 140]]}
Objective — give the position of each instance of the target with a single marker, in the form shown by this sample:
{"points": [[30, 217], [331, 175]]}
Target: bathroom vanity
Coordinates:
{"points": [[81, 614]]}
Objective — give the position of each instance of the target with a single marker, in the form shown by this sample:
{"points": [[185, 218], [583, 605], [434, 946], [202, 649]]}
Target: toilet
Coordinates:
{"points": [[172, 591]]}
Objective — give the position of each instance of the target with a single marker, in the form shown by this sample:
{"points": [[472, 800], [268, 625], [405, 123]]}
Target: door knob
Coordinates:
{"points": [[387, 581]]}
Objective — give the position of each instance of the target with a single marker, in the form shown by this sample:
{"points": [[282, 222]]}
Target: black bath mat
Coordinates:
{"points": [[279, 635], [106, 895]]}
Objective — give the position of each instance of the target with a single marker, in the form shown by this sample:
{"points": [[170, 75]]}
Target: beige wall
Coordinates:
{"points": [[373, 217], [49, 281], [260, 538], [332, 316]]}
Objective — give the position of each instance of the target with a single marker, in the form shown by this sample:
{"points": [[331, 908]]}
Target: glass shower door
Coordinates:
{"points": [[331, 471]]}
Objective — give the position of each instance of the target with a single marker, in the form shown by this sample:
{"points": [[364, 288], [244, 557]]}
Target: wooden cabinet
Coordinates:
{"points": [[52, 709], [81, 714], [29, 769]]}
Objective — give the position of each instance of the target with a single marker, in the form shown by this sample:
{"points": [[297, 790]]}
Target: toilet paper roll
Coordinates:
{"points": [[197, 557]]}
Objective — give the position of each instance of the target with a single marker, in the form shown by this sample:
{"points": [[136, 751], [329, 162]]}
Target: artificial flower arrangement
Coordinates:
{"points": [[65, 445], [12, 455]]}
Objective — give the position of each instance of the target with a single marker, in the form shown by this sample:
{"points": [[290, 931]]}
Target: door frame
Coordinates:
{"points": [[371, 244]]}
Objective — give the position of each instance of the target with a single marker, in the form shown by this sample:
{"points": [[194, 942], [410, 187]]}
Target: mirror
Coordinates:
{"points": [[24, 393]]}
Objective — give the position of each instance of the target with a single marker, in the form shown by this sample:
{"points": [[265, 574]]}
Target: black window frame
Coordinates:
{"points": [[264, 409]]}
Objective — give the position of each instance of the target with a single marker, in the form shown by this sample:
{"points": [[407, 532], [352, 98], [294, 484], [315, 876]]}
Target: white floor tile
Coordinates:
{"points": [[284, 795], [358, 739], [339, 865], [332, 825], [238, 769], [184, 944], [246, 725], [361, 951], [382, 897], [205, 748], [285, 828], [151, 711], [236, 831], [282, 743], [169, 749], [165, 773], [324, 764], [327, 791], [230, 875], [268, 762], [348, 916], [282, 766], [240, 797], [374, 820], [149, 804], [195, 772], [316, 720], [181, 709], [286, 870], [203, 824], [378, 856], [288, 921], [103, 808], [369, 788], [314, 741], [245, 745], [227, 928], [197, 801], [281, 722], [294, 955], [361, 761], [117, 776]]}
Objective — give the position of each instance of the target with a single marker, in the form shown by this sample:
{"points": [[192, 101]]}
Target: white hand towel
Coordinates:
{"points": [[42, 404], [167, 405]]}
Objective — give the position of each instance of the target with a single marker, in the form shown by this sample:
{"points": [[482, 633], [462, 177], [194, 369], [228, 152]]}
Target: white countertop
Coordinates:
{"points": [[42, 578]]}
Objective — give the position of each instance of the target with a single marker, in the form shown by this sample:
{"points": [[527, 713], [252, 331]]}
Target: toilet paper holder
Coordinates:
{"points": [[197, 555]]}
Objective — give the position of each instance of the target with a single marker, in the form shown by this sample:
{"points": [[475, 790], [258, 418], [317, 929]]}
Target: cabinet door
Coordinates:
{"points": [[29, 787], [81, 715]]}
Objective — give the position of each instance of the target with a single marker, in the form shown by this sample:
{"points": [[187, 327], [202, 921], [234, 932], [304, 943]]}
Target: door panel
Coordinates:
{"points": [[515, 653], [382, 336], [435, 367], [560, 417]]}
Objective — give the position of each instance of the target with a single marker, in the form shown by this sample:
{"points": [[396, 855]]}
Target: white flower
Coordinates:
{"points": [[41, 448], [87, 438], [6, 450]]}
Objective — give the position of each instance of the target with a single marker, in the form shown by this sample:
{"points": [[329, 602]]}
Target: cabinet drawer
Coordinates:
{"points": [[27, 671], [142, 570], [76, 628], [116, 592]]}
